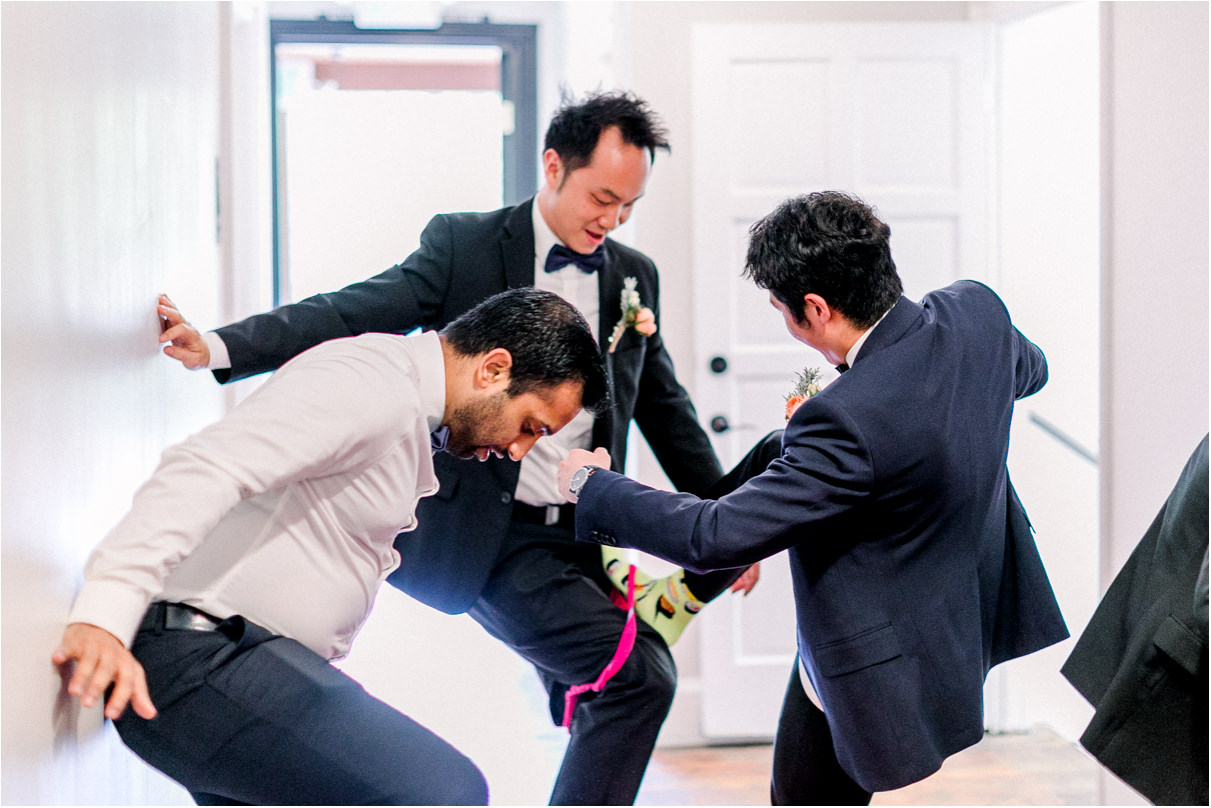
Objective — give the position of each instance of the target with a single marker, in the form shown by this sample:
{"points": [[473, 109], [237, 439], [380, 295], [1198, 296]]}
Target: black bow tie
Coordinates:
{"points": [[841, 368], [560, 256]]}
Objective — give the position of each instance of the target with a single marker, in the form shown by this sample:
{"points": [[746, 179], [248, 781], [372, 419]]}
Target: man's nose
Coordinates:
{"points": [[521, 445], [612, 218]]}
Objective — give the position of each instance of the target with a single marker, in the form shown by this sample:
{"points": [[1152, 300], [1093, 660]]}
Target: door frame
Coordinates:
{"points": [[518, 86]]}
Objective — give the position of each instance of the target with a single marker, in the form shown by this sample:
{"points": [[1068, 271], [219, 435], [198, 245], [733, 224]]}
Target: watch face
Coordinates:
{"points": [[578, 480]]}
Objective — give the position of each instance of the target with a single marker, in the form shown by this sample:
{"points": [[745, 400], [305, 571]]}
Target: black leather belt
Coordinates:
{"points": [[552, 515], [162, 616]]}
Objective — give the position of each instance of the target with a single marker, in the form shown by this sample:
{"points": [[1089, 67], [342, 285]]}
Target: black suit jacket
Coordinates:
{"points": [[464, 258], [913, 562], [1142, 660]]}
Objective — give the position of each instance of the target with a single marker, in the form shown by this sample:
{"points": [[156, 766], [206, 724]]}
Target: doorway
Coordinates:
{"points": [[892, 112], [374, 131], [979, 143]]}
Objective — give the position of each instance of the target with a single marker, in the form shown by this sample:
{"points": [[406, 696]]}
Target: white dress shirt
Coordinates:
{"points": [[537, 482], [286, 510]]}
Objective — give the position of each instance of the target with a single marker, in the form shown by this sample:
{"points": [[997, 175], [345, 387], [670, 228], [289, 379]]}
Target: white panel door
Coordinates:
{"points": [[893, 113]]}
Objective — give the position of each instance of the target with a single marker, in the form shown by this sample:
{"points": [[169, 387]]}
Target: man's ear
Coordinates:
{"points": [[552, 169], [493, 369], [816, 309]]}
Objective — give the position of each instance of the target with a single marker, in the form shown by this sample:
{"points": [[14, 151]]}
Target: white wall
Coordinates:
{"points": [[1154, 261], [1048, 273], [1154, 270], [110, 127]]}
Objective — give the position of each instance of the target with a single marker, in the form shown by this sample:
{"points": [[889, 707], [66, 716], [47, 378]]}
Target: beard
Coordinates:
{"points": [[473, 425]]}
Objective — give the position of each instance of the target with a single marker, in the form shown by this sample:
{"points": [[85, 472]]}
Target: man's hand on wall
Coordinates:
{"points": [[187, 346], [101, 660]]}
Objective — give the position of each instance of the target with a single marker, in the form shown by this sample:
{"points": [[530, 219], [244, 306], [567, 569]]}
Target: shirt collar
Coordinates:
{"points": [[852, 354], [544, 238], [431, 371]]}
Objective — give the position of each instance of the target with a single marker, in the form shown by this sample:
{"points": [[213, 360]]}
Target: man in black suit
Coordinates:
{"points": [[1142, 660], [913, 563], [496, 540]]}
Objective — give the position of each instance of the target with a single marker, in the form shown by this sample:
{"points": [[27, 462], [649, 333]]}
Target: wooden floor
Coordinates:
{"points": [[1034, 768], [445, 672]]}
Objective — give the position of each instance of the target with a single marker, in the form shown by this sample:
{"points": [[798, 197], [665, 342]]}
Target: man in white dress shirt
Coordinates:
{"points": [[253, 555], [518, 572]]}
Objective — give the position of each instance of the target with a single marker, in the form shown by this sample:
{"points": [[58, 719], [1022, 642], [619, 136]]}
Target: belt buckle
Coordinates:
{"points": [[201, 622], [552, 515]]}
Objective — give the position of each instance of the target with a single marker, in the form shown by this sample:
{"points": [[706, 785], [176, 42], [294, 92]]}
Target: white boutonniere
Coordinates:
{"points": [[634, 314], [807, 384]]}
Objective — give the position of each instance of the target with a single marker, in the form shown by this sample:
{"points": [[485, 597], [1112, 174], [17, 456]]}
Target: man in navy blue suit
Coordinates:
{"points": [[913, 562]]}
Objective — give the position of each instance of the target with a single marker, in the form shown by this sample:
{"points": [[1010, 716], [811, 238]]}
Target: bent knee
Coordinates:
{"points": [[453, 781], [468, 788], [649, 674]]}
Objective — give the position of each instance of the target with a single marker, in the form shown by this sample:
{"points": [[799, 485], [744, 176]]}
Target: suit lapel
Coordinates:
{"points": [[609, 296], [609, 293], [517, 246]]}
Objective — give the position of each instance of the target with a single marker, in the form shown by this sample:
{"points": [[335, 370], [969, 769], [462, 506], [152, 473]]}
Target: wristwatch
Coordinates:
{"points": [[579, 478]]}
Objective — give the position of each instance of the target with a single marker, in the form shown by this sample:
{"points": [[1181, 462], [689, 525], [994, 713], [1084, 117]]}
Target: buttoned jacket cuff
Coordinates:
{"points": [[584, 530]]}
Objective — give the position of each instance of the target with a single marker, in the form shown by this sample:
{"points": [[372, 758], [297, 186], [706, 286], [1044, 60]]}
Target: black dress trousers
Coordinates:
{"points": [[250, 717]]}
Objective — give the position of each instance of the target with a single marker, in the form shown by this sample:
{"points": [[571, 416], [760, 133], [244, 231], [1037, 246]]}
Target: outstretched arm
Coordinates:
{"points": [[406, 296], [807, 493], [101, 660]]}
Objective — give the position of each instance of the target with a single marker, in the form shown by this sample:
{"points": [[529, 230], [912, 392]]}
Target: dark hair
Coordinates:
{"points": [[830, 244], [549, 340], [576, 127]]}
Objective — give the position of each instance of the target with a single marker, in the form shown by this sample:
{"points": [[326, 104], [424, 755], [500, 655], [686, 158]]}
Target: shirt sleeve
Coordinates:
{"points": [[330, 411]]}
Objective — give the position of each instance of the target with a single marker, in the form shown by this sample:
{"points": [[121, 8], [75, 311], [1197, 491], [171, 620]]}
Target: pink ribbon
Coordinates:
{"points": [[625, 644]]}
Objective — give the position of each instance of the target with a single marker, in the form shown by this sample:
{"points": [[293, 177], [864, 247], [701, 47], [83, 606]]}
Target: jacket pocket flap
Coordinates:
{"points": [[1180, 644], [860, 651]]}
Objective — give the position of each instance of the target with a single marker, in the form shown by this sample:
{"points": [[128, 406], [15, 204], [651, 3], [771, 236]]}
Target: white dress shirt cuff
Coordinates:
{"points": [[219, 358], [116, 609]]}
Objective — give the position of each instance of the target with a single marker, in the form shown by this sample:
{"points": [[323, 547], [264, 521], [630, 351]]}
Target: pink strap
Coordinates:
{"points": [[625, 644]]}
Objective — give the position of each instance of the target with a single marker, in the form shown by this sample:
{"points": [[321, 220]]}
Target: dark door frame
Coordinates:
{"points": [[518, 85]]}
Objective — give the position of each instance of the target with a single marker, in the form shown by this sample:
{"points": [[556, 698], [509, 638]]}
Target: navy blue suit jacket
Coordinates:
{"points": [[913, 563], [463, 259]]}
